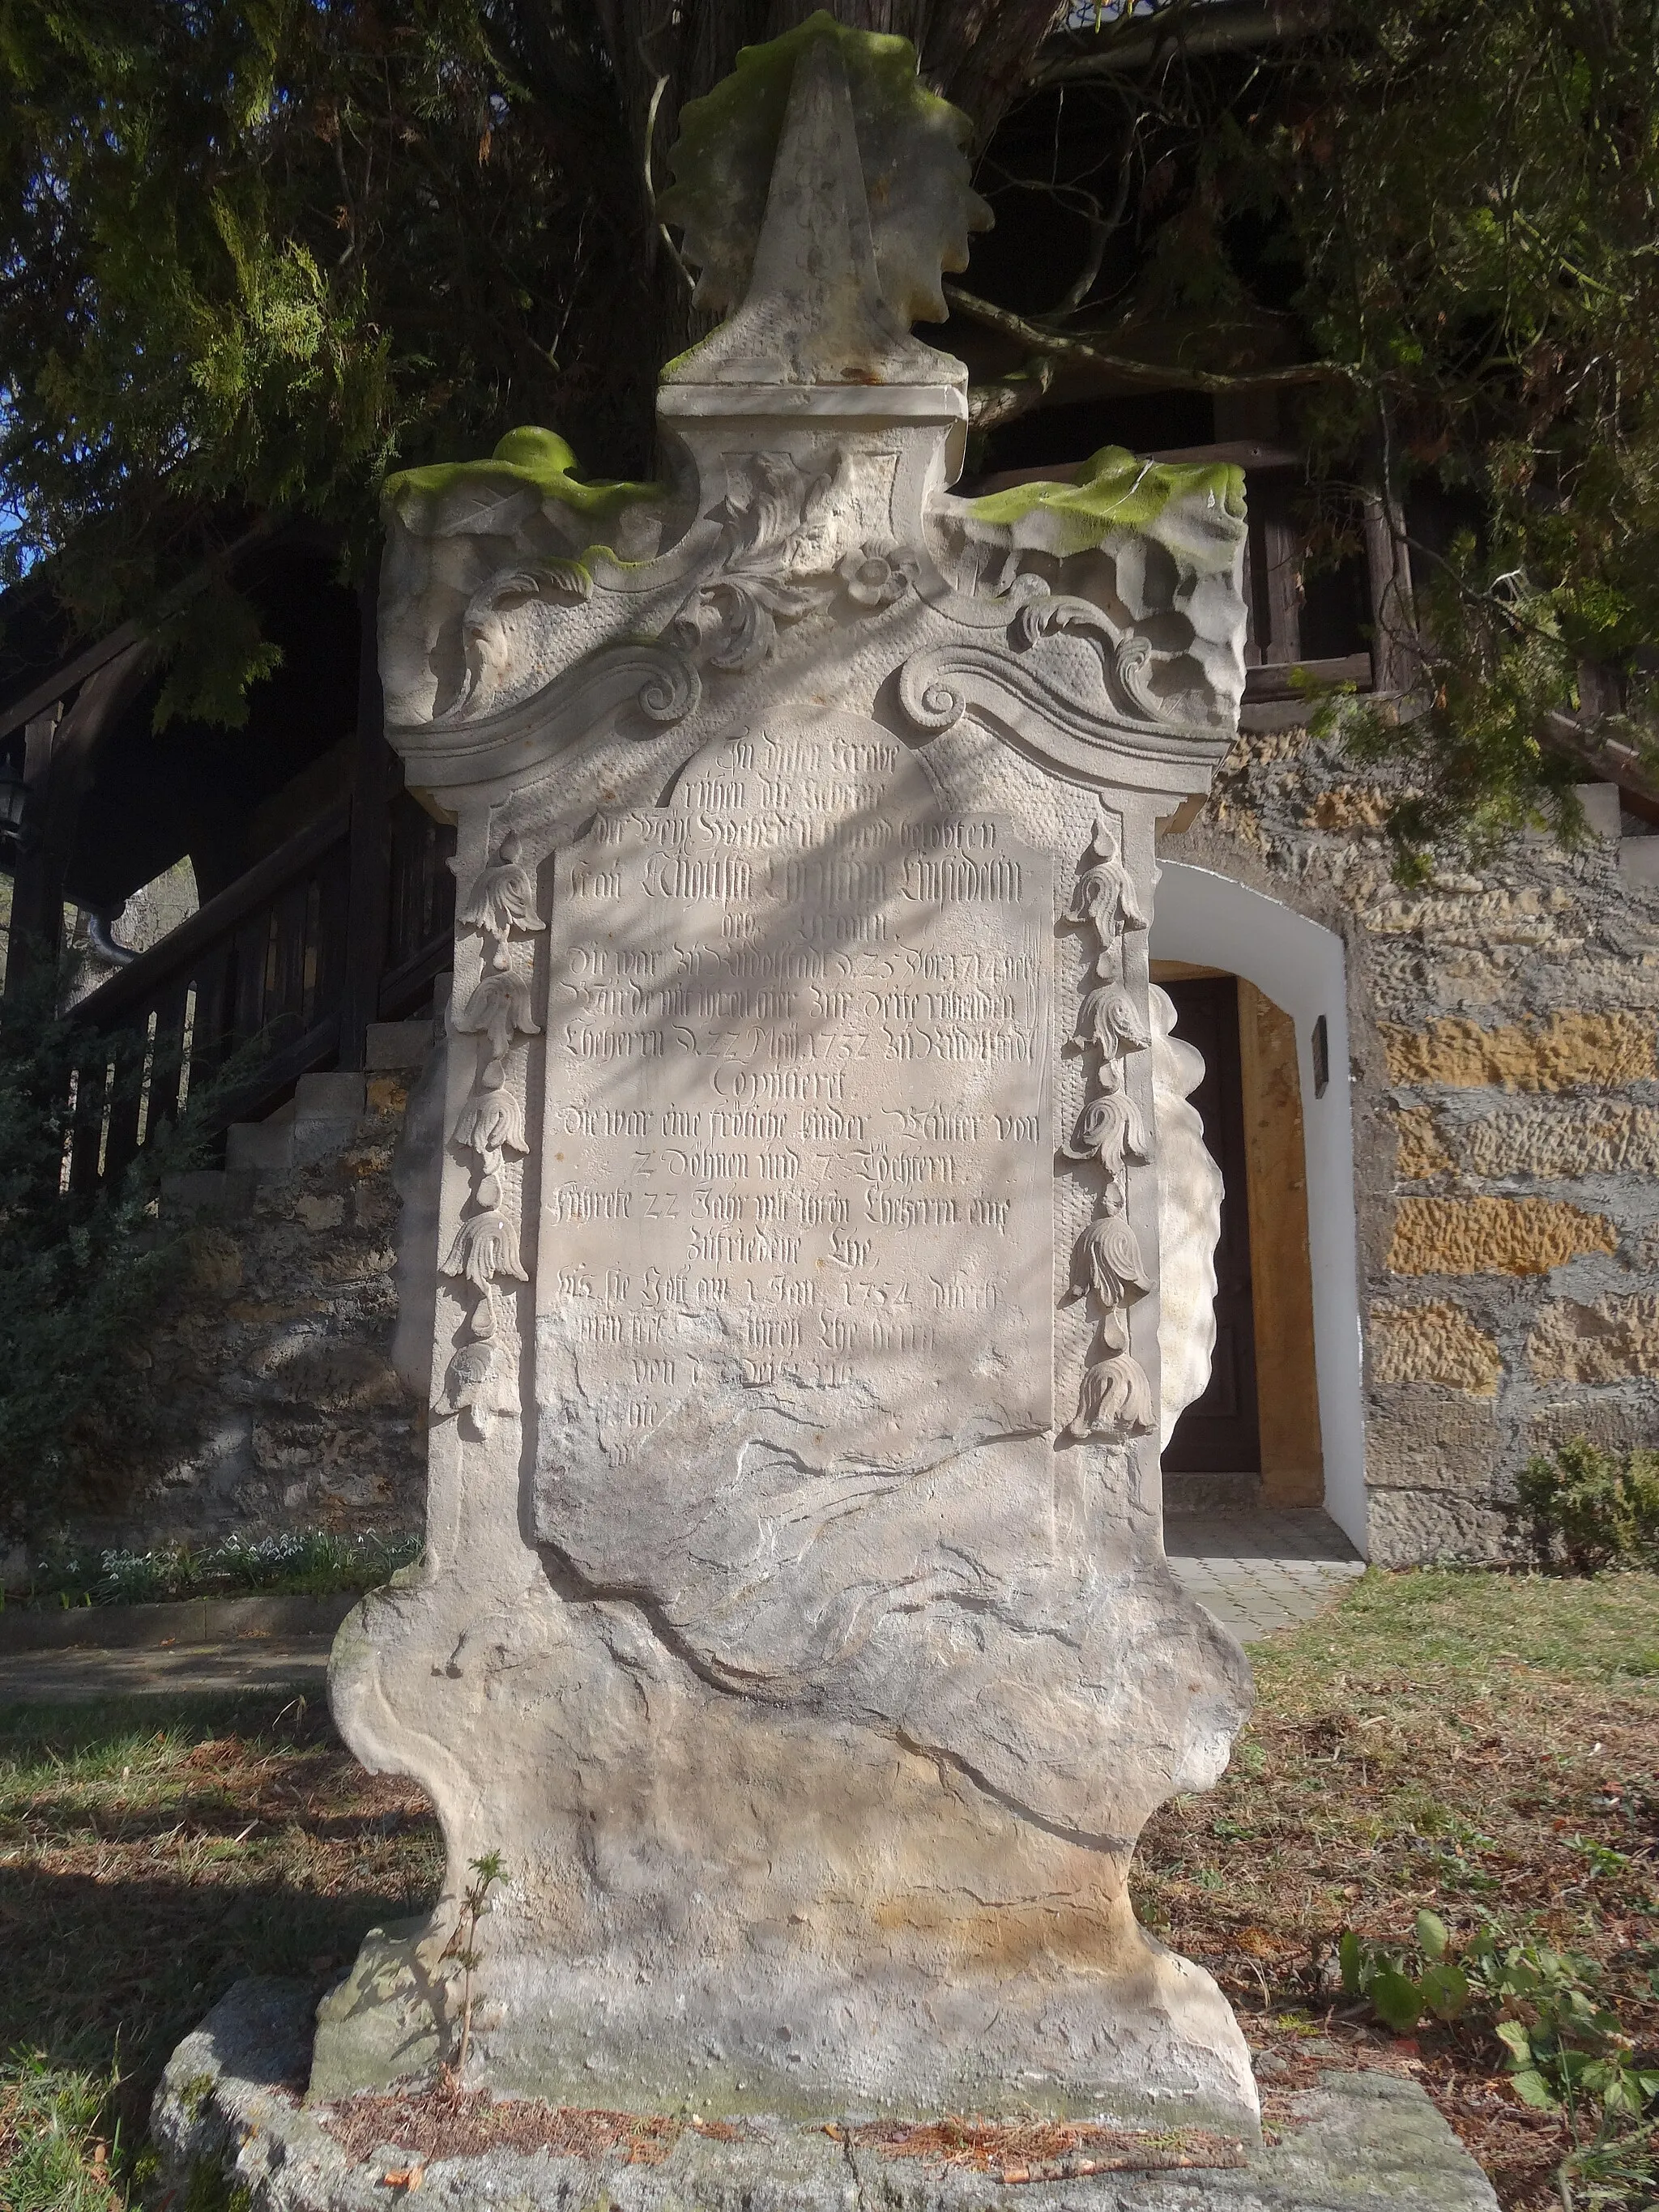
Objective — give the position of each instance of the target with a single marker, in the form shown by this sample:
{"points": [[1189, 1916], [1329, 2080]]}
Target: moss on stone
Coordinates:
{"points": [[1114, 491], [527, 460]]}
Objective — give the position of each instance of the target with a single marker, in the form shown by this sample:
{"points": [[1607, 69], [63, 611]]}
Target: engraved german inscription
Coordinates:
{"points": [[798, 1101]]}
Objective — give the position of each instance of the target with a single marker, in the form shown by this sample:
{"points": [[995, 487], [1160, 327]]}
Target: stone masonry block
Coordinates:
{"points": [[1618, 1420], [1493, 1236], [1436, 1343], [1582, 1137], [207, 1190], [259, 1148], [1422, 1436], [1413, 1528], [1421, 1153], [1561, 1053], [1605, 1341]]}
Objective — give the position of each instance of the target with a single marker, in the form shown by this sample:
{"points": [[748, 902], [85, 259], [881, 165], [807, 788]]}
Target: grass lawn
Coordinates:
{"points": [[1486, 1746]]}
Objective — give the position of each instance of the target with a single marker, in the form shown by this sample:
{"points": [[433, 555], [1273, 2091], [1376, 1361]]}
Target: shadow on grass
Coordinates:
{"points": [[119, 1928]]}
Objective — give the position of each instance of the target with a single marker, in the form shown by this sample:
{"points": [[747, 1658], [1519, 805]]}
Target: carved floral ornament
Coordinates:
{"points": [[1116, 1398], [501, 905], [782, 553]]}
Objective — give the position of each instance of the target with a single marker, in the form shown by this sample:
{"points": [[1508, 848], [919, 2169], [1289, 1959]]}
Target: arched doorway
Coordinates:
{"points": [[1267, 988]]}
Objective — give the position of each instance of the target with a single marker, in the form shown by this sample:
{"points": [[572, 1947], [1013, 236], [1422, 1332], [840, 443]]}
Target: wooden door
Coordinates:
{"points": [[1219, 1433]]}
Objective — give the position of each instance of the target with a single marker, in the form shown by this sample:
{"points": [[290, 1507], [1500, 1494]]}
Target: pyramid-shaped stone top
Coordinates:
{"points": [[827, 295]]}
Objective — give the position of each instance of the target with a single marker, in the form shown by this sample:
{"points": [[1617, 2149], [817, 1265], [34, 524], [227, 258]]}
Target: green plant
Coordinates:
{"points": [[1383, 1973], [1591, 1507], [57, 2146], [310, 1563], [463, 1945], [1565, 2047]]}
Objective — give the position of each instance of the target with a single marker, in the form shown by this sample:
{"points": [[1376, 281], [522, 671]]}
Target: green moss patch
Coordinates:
{"points": [[1114, 492]]}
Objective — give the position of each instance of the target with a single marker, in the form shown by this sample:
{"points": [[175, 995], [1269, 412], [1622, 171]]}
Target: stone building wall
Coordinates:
{"points": [[1506, 1133], [276, 1368]]}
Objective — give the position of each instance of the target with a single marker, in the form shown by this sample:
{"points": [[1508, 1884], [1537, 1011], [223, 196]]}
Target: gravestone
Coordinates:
{"points": [[794, 1623]]}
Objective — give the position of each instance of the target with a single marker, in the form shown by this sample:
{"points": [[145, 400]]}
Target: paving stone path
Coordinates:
{"points": [[50, 1677], [1254, 1571], [1259, 1572]]}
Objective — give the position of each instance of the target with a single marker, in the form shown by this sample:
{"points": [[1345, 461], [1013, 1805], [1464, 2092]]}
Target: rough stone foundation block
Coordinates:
{"points": [[228, 2116]]}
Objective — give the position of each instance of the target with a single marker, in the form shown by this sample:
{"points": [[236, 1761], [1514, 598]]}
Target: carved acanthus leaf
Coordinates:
{"points": [[500, 1008], [492, 1119], [1110, 1127], [1110, 1261], [503, 897], [486, 1245], [469, 1385], [1111, 1017], [1116, 1398]]}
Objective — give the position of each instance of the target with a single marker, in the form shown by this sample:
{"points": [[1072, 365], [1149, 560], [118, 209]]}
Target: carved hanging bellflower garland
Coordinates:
{"points": [[1116, 1398]]}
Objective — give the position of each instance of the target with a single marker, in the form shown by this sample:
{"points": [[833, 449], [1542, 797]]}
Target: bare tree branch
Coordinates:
{"points": [[1164, 375], [990, 406]]}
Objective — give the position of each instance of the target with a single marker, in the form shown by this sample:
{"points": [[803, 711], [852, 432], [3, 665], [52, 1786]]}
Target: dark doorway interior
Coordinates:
{"points": [[1219, 1433]]}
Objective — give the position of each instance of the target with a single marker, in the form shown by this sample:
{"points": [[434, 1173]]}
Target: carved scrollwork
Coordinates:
{"points": [[1126, 657], [651, 677], [1075, 734]]}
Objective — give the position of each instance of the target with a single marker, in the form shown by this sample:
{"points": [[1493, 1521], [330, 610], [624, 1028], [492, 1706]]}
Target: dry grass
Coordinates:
{"points": [[1485, 1745]]}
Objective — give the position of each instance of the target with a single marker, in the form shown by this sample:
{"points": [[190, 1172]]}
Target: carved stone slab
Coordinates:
{"points": [[794, 1622]]}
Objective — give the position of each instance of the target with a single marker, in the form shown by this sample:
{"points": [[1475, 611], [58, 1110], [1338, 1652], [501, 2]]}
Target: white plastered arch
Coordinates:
{"points": [[1214, 922]]}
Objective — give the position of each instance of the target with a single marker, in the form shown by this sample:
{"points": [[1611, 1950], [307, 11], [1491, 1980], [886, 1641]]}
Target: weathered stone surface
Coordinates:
{"points": [[1608, 1340], [1565, 1052], [1423, 1154], [1434, 1343], [226, 2115], [1584, 1137], [1411, 1527], [1615, 1419], [1422, 1436], [1350, 806], [794, 1620], [1479, 918], [1493, 1236], [278, 1405]]}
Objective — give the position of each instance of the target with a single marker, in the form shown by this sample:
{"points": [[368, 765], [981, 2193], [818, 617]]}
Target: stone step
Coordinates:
{"points": [[393, 1045], [261, 1149]]}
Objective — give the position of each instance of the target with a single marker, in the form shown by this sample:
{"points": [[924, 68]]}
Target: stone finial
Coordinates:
{"points": [[755, 140]]}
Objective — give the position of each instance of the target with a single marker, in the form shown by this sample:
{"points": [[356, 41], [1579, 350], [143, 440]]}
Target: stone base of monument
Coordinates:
{"points": [[230, 2116]]}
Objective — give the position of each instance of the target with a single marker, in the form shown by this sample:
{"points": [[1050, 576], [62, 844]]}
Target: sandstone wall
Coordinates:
{"points": [[1505, 1028]]}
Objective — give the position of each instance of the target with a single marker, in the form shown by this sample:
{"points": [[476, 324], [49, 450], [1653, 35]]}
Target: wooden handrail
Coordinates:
{"points": [[101, 1008]]}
